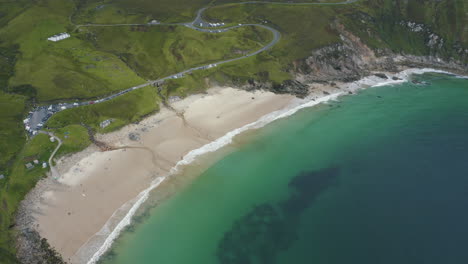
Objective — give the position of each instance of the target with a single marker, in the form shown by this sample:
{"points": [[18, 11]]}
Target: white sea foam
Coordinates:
{"points": [[227, 138], [371, 81], [392, 82], [407, 73], [141, 198]]}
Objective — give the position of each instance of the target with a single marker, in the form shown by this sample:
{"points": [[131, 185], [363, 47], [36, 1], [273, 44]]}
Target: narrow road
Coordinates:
{"points": [[40, 115], [53, 170]]}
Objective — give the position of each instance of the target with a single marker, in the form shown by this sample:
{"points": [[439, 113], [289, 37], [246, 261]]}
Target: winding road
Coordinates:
{"points": [[40, 115], [54, 171]]}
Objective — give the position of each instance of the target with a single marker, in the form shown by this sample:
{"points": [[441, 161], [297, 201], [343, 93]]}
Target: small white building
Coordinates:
{"points": [[44, 165], [52, 139], [59, 37], [29, 166], [105, 123]]}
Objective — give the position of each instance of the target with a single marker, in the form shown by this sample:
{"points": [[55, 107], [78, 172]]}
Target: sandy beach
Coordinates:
{"points": [[95, 190], [95, 187]]}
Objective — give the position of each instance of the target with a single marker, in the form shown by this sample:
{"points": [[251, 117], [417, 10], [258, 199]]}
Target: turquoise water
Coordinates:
{"points": [[379, 177]]}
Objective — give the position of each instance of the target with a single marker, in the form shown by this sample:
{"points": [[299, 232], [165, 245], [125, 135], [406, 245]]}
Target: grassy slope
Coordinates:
{"points": [[10, 9], [74, 68], [303, 29], [12, 134], [136, 11], [142, 11], [66, 69], [125, 109], [377, 23], [97, 61], [12, 107], [155, 52], [20, 181], [74, 138]]}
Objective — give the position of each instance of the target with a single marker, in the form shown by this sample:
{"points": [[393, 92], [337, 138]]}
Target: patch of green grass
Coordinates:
{"points": [[74, 138], [377, 23], [303, 29], [155, 52], [71, 68], [7, 64], [137, 11], [7, 257], [99, 61], [142, 11], [123, 110], [10, 9], [40, 148], [12, 136]]}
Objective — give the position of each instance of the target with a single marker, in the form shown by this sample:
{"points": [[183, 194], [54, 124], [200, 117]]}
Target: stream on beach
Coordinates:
{"points": [[377, 177]]}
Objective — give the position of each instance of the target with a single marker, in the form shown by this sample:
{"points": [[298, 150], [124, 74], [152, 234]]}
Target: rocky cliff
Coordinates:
{"points": [[358, 55]]}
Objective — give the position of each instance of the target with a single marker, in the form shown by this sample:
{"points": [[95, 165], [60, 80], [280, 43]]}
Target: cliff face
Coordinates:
{"points": [[387, 35], [353, 59], [347, 61]]}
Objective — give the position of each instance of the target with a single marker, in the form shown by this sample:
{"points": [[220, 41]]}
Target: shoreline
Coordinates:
{"points": [[47, 190], [95, 187]]}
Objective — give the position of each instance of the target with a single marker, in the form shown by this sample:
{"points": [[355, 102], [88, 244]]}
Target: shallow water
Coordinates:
{"points": [[379, 177]]}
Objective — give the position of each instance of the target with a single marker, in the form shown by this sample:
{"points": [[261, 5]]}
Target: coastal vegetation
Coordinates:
{"points": [[97, 61], [20, 180], [123, 110], [409, 27], [142, 11], [155, 52]]}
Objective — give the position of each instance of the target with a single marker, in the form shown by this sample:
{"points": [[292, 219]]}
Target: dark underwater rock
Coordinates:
{"points": [[381, 75]]}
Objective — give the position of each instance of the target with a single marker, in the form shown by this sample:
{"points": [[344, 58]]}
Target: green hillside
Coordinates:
{"points": [[98, 61]]}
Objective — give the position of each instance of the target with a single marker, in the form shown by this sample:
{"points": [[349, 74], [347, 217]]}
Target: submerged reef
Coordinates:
{"points": [[270, 228]]}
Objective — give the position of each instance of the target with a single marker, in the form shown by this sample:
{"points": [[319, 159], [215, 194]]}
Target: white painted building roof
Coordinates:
{"points": [[59, 37]]}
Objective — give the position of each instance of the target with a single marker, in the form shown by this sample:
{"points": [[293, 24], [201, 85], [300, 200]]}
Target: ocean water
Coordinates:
{"points": [[375, 178]]}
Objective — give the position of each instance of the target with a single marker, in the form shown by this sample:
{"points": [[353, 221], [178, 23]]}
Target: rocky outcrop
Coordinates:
{"points": [[351, 59], [293, 87], [434, 42], [346, 61], [36, 250], [451, 65]]}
